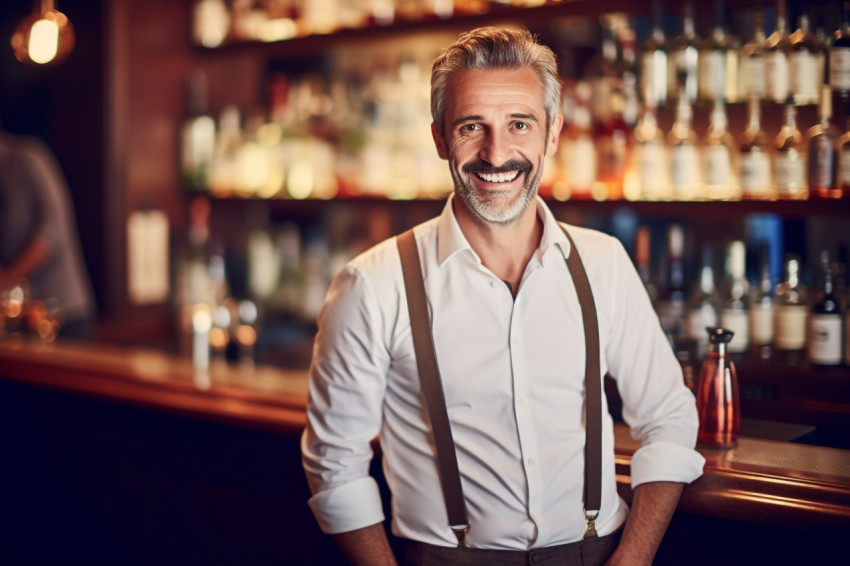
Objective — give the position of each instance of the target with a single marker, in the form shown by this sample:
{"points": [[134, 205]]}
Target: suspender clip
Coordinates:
{"points": [[590, 519], [460, 532]]}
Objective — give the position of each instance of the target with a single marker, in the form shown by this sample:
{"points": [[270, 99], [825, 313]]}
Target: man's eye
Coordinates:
{"points": [[520, 126], [468, 127]]}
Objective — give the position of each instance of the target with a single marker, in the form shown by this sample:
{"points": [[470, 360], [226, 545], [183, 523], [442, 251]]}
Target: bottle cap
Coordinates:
{"points": [[718, 335]]}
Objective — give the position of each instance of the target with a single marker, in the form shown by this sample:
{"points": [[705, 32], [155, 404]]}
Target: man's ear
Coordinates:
{"points": [[440, 142], [554, 134]]}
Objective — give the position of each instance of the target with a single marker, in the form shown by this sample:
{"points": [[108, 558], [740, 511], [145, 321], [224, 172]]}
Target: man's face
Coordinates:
{"points": [[495, 139]]}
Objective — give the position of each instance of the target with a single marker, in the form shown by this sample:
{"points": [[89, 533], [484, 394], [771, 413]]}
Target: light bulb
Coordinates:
{"points": [[44, 37]]}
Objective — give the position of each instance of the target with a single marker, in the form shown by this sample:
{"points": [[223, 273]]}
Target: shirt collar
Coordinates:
{"points": [[450, 238]]}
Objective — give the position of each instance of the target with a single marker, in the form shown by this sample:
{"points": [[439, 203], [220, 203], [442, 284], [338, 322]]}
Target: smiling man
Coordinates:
{"points": [[506, 313]]}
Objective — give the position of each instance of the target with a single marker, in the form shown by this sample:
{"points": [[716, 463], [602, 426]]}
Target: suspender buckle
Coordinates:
{"points": [[590, 519], [460, 532]]}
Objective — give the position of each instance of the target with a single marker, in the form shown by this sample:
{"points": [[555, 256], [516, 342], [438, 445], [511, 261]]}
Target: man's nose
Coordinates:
{"points": [[495, 148]]}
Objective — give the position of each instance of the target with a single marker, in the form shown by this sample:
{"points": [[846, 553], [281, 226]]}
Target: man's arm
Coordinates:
{"points": [[653, 505], [368, 546]]}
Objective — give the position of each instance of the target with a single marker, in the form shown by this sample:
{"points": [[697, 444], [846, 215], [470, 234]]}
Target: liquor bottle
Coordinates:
{"points": [[719, 157], [839, 56], [734, 314], [822, 158], [684, 157], [843, 146], [791, 312], [672, 295], [683, 63], [825, 320], [577, 152], [718, 402], [776, 67], [643, 263], [704, 303], [210, 23], [755, 157], [614, 143], [653, 62], [601, 74], [752, 60], [198, 136], [804, 63], [761, 309], [789, 158], [713, 59], [651, 156]]}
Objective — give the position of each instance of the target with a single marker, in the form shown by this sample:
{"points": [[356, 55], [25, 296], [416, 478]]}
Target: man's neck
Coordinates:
{"points": [[504, 249]]}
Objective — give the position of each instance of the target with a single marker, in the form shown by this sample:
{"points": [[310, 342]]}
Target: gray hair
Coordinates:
{"points": [[495, 48]]}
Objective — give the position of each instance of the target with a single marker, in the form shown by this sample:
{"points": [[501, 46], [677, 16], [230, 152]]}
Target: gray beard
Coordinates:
{"points": [[494, 210]]}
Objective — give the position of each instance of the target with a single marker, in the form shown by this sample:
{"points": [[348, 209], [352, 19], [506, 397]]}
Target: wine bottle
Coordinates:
{"points": [[825, 321], [789, 159], [822, 153], [755, 157], [684, 57], [761, 309], [752, 60], [713, 59], [684, 157], [653, 59], [776, 66], [719, 157], [805, 65], [791, 312]]}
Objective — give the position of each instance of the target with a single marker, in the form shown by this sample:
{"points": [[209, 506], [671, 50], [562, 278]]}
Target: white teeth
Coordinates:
{"points": [[498, 177]]}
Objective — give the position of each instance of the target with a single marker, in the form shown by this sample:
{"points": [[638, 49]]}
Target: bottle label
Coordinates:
{"points": [[822, 162], [712, 72], [755, 173], [737, 321], [718, 165], [789, 172], [761, 324], [776, 81], [753, 73], [684, 166], [651, 163], [839, 68], [845, 166], [804, 77], [790, 329], [825, 339], [654, 76]]}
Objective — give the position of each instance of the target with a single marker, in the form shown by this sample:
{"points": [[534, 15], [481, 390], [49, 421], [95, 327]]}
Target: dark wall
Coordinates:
{"points": [[65, 106]]}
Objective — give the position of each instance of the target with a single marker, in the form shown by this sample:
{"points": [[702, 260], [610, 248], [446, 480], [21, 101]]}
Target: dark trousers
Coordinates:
{"points": [[589, 552]]}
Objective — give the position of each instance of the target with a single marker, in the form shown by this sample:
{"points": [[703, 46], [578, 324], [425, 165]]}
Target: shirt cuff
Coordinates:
{"points": [[348, 507], [665, 461]]}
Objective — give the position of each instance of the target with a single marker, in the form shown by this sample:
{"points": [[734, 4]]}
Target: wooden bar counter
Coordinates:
{"points": [[165, 464]]}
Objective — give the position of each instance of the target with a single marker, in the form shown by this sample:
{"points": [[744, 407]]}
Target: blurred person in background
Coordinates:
{"points": [[39, 242]]}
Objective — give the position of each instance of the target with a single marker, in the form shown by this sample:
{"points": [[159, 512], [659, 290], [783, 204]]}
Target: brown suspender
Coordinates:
{"points": [[432, 388]]}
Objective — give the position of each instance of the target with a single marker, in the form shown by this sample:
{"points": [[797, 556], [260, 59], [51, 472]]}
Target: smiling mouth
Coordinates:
{"points": [[498, 177]]}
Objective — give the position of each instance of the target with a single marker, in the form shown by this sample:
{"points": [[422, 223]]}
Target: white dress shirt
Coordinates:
{"points": [[513, 373]]}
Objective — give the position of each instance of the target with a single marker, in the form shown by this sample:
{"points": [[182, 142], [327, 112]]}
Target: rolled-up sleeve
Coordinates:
{"points": [[344, 410], [657, 406]]}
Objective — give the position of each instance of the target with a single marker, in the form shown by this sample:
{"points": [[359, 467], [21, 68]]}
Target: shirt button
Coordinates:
{"points": [[521, 400], [531, 461]]}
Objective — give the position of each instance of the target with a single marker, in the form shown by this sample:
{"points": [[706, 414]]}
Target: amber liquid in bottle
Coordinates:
{"points": [[718, 403]]}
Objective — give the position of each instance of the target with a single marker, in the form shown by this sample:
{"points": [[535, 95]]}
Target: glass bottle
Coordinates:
{"points": [[684, 157], [734, 315], [761, 309], [651, 156], [825, 332], [789, 161], [843, 146], [839, 56], [198, 136], [752, 60], [713, 58], [804, 63], [683, 56], [704, 303], [791, 312], [643, 263], [577, 153], [718, 402], [602, 74], [718, 157], [755, 157], [671, 298], [613, 150], [653, 59], [822, 158], [776, 66]]}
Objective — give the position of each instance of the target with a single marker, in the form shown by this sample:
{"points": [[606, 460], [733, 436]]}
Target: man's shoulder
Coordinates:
{"points": [[591, 239], [383, 257]]}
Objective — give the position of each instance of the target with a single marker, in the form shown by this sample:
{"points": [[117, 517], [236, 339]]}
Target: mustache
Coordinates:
{"points": [[483, 167]]}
